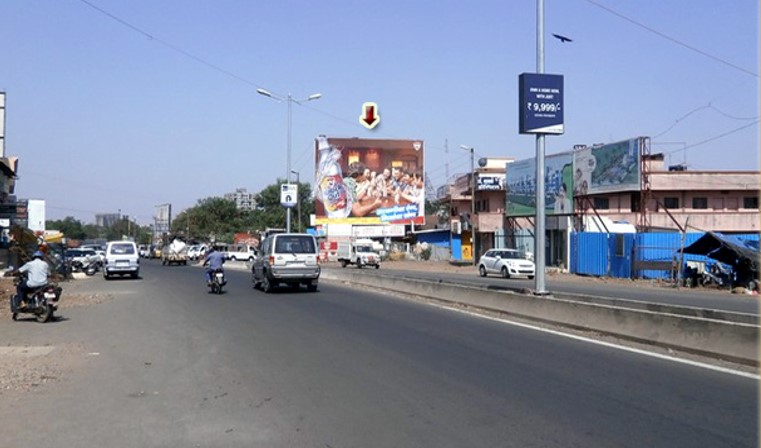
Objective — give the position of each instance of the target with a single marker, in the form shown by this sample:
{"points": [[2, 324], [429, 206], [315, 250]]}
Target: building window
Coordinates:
{"points": [[700, 203], [671, 203], [750, 202], [636, 202], [602, 203]]}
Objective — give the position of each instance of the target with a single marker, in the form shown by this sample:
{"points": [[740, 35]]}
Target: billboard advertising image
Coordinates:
{"points": [[607, 168], [558, 183], [369, 181]]}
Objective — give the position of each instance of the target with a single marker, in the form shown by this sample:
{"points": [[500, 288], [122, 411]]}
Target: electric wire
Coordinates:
{"points": [[671, 39]]}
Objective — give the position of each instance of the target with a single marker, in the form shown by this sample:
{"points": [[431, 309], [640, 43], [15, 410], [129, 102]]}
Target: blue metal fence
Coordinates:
{"points": [[642, 255]]}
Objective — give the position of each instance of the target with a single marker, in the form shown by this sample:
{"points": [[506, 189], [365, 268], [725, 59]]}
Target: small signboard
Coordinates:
{"points": [[540, 103], [289, 194]]}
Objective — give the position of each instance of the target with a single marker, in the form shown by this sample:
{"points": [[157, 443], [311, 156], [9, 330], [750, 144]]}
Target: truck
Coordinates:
{"points": [[241, 252], [176, 252], [358, 252]]}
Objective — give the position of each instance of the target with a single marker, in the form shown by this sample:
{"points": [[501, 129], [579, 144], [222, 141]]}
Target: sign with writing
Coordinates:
{"points": [[289, 195], [540, 103], [487, 182]]}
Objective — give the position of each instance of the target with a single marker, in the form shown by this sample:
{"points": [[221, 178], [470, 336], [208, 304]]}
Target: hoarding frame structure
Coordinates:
{"points": [[334, 201]]}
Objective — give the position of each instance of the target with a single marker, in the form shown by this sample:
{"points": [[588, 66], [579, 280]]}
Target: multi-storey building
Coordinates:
{"points": [[242, 198]]}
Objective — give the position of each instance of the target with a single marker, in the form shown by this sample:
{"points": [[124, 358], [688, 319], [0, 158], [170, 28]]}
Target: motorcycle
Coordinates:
{"points": [[42, 302], [91, 268], [217, 281]]}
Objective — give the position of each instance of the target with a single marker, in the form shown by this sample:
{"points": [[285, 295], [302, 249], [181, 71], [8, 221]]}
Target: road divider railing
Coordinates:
{"points": [[719, 334]]}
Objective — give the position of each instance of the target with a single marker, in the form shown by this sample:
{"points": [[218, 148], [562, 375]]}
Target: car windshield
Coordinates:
{"points": [[295, 245], [365, 249], [513, 255], [122, 249]]}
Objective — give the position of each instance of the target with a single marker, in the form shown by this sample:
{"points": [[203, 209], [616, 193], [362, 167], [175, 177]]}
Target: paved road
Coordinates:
{"points": [[716, 300], [177, 367]]}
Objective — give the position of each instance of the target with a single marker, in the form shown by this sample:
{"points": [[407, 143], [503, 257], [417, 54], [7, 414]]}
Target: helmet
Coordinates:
{"points": [[38, 254]]}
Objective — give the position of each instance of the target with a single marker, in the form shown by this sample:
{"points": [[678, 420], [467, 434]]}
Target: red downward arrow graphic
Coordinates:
{"points": [[370, 115]]}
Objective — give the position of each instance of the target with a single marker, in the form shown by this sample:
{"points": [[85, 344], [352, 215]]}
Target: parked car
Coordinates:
{"points": [[507, 263], [80, 258], [121, 259], [286, 258]]}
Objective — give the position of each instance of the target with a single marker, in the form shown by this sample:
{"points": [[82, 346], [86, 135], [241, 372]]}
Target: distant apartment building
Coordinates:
{"points": [[242, 198], [107, 219]]}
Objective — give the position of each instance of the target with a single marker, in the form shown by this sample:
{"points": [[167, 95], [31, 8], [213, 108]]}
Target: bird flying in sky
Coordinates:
{"points": [[561, 38]]}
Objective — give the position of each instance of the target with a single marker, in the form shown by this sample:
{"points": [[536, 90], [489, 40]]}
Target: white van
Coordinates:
{"points": [[287, 259], [122, 258]]}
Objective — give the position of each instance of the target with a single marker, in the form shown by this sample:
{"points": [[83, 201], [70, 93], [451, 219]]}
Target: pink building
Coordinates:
{"points": [[675, 199]]}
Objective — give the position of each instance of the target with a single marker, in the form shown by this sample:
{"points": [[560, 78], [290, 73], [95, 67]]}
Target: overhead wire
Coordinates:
{"points": [[671, 39]]}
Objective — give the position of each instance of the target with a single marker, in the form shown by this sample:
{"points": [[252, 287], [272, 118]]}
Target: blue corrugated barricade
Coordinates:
{"points": [[653, 255]]}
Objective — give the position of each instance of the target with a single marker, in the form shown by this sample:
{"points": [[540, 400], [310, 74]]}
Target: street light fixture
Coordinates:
{"points": [[290, 101], [472, 202], [298, 193]]}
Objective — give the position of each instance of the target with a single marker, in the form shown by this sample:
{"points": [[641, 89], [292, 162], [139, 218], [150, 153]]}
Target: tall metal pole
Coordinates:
{"points": [[539, 236], [298, 200], [288, 172], [473, 207]]}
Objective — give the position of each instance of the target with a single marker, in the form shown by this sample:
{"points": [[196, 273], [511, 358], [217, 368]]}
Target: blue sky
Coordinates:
{"points": [[105, 118]]}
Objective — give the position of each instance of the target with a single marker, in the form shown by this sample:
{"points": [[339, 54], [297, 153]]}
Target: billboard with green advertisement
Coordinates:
{"points": [[607, 168], [558, 184]]}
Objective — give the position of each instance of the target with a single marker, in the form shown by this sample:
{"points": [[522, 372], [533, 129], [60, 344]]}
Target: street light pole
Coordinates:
{"points": [[539, 231], [298, 193], [473, 240], [290, 101]]}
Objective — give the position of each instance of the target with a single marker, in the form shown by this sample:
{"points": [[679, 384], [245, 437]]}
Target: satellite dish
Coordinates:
{"points": [[482, 162]]}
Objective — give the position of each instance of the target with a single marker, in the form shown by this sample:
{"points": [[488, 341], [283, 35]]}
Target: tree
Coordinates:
{"points": [[69, 226], [212, 218]]}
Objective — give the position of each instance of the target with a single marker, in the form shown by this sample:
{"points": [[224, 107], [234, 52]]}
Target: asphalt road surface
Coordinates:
{"points": [[693, 297], [165, 364]]}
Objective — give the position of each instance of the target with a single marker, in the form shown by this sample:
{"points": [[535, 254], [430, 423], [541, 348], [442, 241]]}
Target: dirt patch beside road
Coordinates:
{"points": [[73, 295], [24, 367]]}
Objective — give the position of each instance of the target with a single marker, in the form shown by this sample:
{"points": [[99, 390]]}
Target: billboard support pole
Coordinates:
{"points": [[539, 235]]}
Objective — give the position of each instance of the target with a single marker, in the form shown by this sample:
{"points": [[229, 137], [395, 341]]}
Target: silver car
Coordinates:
{"points": [[507, 263], [286, 259], [121, 259]]}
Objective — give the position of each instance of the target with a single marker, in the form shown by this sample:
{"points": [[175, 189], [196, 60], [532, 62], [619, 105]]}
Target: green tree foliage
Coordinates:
{"points": [[71, 227], [211, 218], [217, 218]]}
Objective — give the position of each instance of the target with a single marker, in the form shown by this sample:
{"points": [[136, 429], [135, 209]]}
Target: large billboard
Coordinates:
{"points": [[162, 219], [558, 184], [369, 181], [607, 168]]}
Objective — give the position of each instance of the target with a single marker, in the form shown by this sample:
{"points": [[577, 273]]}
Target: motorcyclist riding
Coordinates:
{"points": [[215, 260], [38, 272]]}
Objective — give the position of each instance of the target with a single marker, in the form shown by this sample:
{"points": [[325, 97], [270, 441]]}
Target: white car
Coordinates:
{"points": [[195, 251], [121, 259], [507, 263]]}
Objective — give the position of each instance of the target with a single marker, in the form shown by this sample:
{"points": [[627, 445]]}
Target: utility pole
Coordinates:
{"points": [[539, 234]]}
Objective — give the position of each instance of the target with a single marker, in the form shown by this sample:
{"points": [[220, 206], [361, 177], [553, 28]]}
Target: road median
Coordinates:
{"points": [[709, 333]]}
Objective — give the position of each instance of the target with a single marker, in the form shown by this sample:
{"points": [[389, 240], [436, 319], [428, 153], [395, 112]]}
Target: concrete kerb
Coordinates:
{"points": [[723, 339]]}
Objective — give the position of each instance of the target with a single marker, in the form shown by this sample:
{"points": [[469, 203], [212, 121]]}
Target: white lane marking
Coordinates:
{"points": [[611, 345]]}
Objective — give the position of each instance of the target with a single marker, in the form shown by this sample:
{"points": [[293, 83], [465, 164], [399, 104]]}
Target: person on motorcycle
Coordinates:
{"points": [[38, 272], [215, 260]]}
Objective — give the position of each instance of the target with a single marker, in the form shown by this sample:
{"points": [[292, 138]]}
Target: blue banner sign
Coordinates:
{"points": [[541, 103]]}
